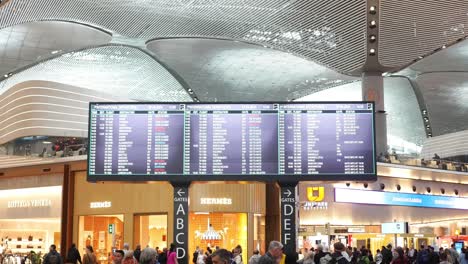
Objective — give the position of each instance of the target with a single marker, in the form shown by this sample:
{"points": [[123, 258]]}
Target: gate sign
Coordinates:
{"points": [[288, 218], [181, 222]]}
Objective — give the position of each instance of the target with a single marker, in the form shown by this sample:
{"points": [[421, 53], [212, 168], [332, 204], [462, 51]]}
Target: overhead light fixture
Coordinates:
{"points": [[456, 192], [428, 189], [6, 75], [372, 10], [372, 38], [442, 191], [372, 24], [398, 187], [444, 46], [429, 134], [382, 186], [372, 52]]}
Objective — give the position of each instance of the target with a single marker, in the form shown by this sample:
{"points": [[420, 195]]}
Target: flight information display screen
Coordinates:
{"points": [[231, 141]]}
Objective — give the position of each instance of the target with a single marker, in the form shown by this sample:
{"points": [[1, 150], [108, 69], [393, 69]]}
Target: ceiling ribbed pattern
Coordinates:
{"points": [[332, 33], [123, 71], [413, 28]]}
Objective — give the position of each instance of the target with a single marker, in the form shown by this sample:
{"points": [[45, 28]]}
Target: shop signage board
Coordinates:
{"points": [[181, 227], [274, 141], [401, 199], [288, 218], [395, 228]]}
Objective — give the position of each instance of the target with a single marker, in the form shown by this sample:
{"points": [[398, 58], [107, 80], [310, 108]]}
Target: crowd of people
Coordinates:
{"points": [[274, 255], [386, 255]]}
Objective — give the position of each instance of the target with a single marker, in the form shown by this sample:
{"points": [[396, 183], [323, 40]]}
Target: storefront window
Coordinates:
{"points": [[30, 219], [259, 233], [102, 232], [151, 230], [226, 230]]}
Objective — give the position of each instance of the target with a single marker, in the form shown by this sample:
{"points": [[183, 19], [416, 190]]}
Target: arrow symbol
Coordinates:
{"points": [[180, 192], [288, 193]]}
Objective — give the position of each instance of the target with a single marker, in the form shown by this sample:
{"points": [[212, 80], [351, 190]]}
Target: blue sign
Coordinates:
{"points": [[403, 199]]}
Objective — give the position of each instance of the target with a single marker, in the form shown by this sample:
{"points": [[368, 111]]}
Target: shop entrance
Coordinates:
{"points": [[226, 230], [103, 233], [150, 230]]}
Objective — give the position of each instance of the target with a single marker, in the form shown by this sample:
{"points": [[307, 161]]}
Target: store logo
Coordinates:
{"points": [[224, 201], [315, 194], [29, 203], [105, 204]]}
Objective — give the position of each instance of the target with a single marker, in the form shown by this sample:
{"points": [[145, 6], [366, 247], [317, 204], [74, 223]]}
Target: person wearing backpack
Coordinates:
{"points": [[364, 257], [423, 256], [337, 256], [53, 257]]}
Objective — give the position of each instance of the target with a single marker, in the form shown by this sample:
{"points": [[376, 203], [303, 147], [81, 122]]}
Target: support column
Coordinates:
{"points": [[181, 223], [288, 220], [68, 196], [373, 90]]}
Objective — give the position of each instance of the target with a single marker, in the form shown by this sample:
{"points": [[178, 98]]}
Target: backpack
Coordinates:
{"points": [[362, 260], [328, 259]]}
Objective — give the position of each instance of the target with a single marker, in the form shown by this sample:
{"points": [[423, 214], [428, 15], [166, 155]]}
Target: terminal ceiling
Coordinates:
{"points": [[249, 49]]}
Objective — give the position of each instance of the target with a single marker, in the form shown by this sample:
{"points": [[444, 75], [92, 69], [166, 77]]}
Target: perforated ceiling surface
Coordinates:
{"points": [[25, 44], [123, 71], [412, 28], [314, 29], [219, 70], [446, 95]]}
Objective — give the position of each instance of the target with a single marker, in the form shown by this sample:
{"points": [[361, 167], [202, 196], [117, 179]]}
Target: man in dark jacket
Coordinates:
{"points": [[137, 253], [275, 252], [53, 257], [319, 254], [73, 255], [337, 256], [387, 254]]}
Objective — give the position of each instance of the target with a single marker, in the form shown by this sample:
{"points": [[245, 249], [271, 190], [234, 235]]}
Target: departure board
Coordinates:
{"points": [[231, 141]]}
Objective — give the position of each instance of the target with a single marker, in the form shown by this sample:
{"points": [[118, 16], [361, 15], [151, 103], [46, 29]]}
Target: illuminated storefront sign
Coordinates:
{"points": [[224, 201], [29, 203], [105, 204], [315, 196], [395, 228], [403, 199]]}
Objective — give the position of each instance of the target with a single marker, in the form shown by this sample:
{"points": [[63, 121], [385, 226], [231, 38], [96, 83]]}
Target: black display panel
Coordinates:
{"points": [[231, 141]]}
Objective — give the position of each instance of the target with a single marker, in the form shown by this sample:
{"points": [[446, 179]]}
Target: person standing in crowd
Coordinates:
{"points": [[53, 257], [162, 259], [255, 257], [149, 256], [221, 256], [401, 258], [9, 258], [73, 255], [378, 257], [89, 257], [464, 256], [201, 257], [129, 258], [126, 248], [308, 258], [172, 255], [118, 256], [319, 254], [274, 254], [454, 254], [237, 258], [137, 253], [443, 258], [433, 257], [364, 257], [195, 255], [337, 255], [387, 254]]}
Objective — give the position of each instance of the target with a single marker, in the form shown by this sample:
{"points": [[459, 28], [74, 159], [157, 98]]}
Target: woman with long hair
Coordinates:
{"points": [[172, 254], [89, 257], [401, 258]]}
